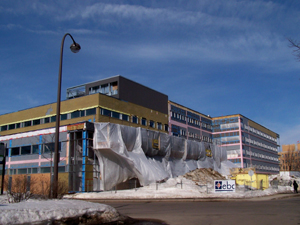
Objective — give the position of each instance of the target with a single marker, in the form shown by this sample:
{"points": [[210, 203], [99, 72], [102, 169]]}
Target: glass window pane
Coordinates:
{"points": [[105, 112], [53, 118], [3, 128], [116, 115], [27, 124], [63, 116], [34, 170], [75, 114], [47, 120], [25, 150], [49, 147], [152, 124], [11, 126], [35, 149], [45, 169], [15, 151], [125, 117], [61, 169], [144, 122], [135, 119], [22, 171], [36, 122], [91, 111]]}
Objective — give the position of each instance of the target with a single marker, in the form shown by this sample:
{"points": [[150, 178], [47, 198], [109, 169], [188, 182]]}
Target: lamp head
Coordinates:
{"points": [[75, 47]]}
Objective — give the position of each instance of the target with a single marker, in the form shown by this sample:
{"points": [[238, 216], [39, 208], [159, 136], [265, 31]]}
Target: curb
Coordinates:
{"points": [[216, 199]]}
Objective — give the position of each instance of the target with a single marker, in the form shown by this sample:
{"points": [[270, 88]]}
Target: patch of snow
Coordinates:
{"points": [[34, 211]]}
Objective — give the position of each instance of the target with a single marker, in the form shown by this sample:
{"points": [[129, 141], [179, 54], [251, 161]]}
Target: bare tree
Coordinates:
{"points": [[291, 160], [295, 45]]}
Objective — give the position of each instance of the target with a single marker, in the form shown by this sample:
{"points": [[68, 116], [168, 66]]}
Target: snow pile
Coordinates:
{"points": [[196, 184], [283, 179], [34, 211], [204, 176]]}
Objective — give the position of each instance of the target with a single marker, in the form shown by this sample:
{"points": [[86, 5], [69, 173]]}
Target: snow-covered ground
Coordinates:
{"points": [[172, 189], [48, 210]]}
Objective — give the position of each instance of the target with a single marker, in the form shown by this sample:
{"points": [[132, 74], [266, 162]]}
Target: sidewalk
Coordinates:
{"points": [[208, 199]]}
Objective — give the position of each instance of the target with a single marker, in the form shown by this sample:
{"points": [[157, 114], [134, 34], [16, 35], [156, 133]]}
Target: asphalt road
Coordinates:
{"points": [[255, 212]]}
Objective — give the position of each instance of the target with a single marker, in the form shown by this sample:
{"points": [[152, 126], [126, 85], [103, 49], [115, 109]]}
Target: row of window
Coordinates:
{"points": [[61, 169], [75, 114], [262, 156], [226, 134], [230, 142], [224, 121], [253, 130], [199, 137], [88, 112], [269, 168], [34, 149], [260, 144], [108, 89], [191, 121], [225, 129], [134, 119]]}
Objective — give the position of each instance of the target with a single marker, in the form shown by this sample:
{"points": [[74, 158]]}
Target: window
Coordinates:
{"points": [[36, 122], [125, 117], [18, 125], [45, 169], [75, 114], [159, 126], [104, 89], [115, 115], [135, 119], [166, 127], [22, 171], [63, 116], [94, 90], [34, 170], [35, 149], [144, 122], [3, 128], [12, 171], [25, 150], [105, 112], [53, 118], [15, 151], [27, 124], [91, 111], [61, 169], [152, 124], [47, 120], [49, 147], [11, 126], [114, 88]]}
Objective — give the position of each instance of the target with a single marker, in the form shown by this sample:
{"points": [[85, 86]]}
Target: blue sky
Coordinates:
{"points": [[214, 56]]}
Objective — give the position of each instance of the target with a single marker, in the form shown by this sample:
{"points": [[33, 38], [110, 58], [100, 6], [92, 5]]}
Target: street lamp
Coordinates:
{"points": [[75, 47]]}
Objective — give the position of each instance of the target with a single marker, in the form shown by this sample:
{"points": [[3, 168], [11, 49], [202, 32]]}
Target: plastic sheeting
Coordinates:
{"points": [[126, 152]]}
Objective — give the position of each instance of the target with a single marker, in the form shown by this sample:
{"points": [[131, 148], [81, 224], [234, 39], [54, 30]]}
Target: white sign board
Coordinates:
{"points": [[250, 173], [224, 186]]}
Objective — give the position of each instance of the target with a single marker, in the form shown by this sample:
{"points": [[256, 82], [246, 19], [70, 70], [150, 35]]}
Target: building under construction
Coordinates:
{"points": [[132, 113]]}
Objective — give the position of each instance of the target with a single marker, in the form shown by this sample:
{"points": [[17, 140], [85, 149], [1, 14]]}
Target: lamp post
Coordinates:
{"points": [[75, 47]]}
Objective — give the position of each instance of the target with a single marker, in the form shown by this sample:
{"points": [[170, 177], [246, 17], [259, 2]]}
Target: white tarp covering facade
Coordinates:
{"points": [[126, 152]]}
